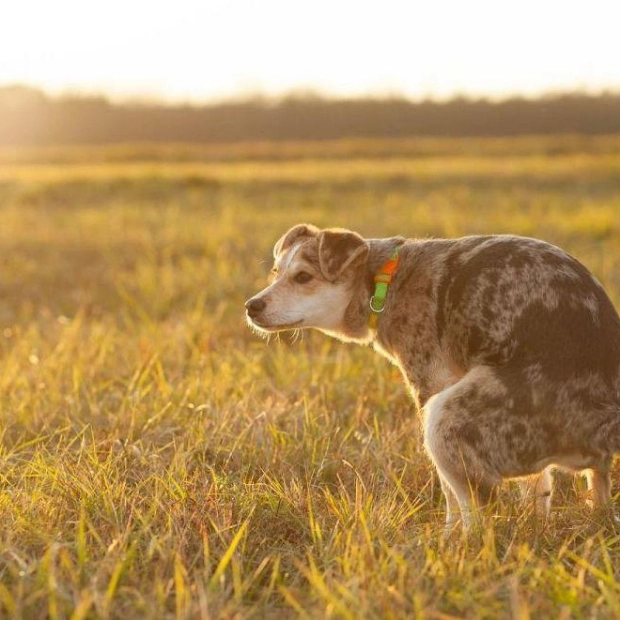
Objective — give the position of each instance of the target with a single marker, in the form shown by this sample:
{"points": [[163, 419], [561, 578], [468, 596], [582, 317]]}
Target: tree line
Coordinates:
{"points": [[29, 117]]}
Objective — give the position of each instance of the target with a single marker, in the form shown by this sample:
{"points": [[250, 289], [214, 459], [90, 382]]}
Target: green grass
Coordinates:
{"points": [[159, 460]]}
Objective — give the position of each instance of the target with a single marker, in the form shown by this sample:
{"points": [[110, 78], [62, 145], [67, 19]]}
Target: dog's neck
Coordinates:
{"points": [[379, 253], [355, 327]]}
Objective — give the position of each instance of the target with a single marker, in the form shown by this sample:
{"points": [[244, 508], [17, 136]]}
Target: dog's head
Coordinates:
{"points": [[313, 279]]}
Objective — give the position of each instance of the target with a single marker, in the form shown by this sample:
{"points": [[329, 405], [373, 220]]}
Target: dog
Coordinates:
{"points": [[509, 346]]}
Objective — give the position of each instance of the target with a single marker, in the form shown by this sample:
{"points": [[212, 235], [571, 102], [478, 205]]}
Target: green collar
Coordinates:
{"points": [[382, 281]]}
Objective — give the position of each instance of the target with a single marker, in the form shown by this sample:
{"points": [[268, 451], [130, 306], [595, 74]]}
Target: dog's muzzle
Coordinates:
{"points": [[254, 307]]}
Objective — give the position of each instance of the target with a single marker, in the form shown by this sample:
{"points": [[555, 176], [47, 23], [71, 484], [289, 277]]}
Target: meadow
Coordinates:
{"points": [[159, 460]]}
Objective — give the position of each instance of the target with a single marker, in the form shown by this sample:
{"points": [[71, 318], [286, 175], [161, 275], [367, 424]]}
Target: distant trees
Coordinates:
{"points": [[28, 117]]}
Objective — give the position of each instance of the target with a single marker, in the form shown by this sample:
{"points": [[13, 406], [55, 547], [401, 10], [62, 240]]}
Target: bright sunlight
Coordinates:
{"points": [[196, 50]]}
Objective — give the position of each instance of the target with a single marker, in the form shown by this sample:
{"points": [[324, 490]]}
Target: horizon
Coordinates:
{"points": [[306, 95], [242, 49]]}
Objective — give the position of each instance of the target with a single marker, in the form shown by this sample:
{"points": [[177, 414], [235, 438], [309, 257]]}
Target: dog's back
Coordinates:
{"points": [[505, 298], [547, 327]]}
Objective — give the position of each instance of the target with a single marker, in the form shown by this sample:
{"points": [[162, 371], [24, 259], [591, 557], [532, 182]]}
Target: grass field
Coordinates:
{"points": [[161, 461]]}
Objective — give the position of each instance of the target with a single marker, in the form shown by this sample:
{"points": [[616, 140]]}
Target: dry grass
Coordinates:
{"points": [[158, 460]]}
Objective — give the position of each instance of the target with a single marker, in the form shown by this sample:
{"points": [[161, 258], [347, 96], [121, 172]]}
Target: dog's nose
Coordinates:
{"points": [[254, 306]]}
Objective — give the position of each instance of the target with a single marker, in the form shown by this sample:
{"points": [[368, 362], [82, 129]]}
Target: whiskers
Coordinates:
{"points": [[297, 336], [258, 331]]}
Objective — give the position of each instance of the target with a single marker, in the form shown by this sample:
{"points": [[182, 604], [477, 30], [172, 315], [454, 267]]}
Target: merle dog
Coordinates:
{"points": [[509, 345]]}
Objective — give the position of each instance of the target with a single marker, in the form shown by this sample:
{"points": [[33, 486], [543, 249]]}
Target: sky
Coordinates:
{"points": [[190, 50]]}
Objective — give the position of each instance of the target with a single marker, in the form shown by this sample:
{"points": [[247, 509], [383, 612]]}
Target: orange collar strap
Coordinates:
{"points": [[382, 281]]}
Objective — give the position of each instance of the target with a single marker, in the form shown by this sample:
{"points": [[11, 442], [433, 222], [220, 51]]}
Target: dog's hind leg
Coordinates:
{"points": [[599, 486], [540, 489], [464, 473], [453, 511]]}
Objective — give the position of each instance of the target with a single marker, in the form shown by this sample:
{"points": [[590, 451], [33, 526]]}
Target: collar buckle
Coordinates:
{"points": [[372, 306], [382, 281]]}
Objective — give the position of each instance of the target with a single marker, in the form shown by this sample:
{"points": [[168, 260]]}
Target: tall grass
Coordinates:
{"points": [[158, 460]]}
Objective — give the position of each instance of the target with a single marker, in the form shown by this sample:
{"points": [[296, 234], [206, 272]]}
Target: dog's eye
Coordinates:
{"points": [[302, 277]]}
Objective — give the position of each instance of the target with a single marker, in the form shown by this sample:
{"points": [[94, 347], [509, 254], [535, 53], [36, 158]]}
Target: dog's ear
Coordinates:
{"points": [[339, 249], [289, 237]]}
